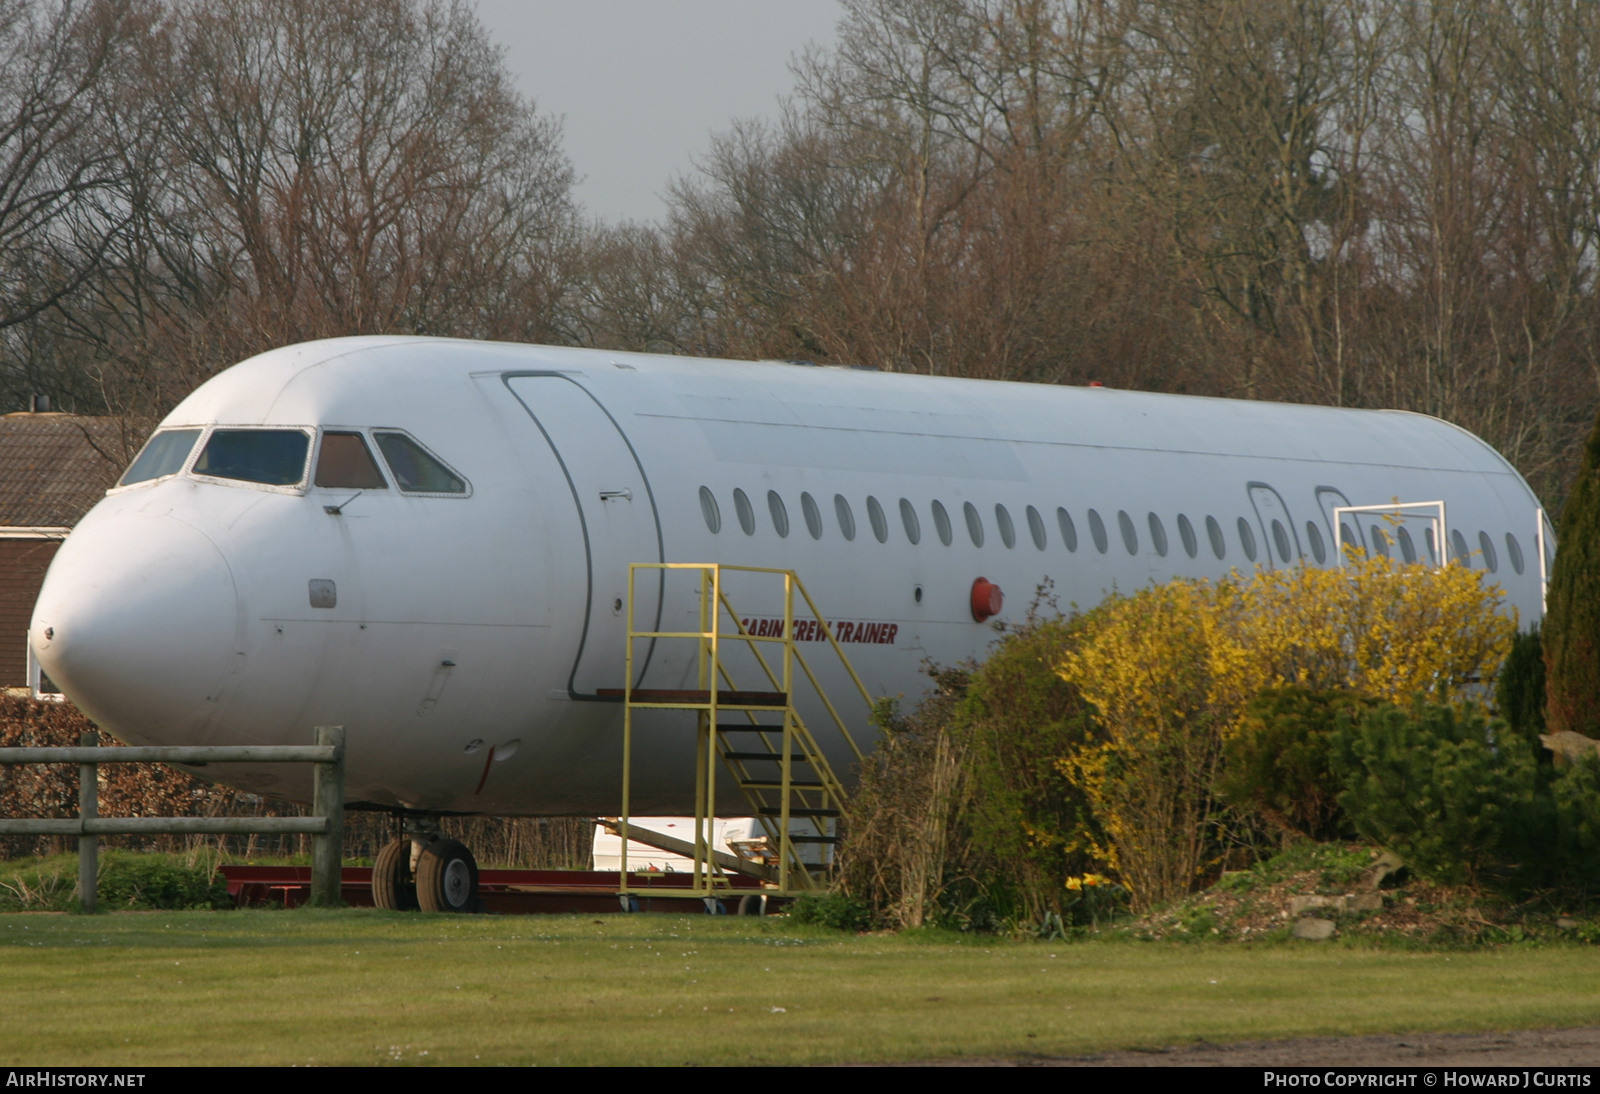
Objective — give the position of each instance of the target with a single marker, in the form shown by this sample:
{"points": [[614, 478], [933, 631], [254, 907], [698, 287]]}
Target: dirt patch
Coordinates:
{"points": [[1542, 1048], [1330, 890]]}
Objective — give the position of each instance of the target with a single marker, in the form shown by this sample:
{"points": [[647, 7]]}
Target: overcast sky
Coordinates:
{"points": [[643, 84]]}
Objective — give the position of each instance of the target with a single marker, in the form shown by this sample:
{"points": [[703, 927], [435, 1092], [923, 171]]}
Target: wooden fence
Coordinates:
{"points": [[326, 826]]}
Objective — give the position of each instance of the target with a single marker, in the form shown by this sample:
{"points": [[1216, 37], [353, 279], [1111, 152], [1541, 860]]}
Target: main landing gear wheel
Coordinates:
{"points": [[392, 885], [447, 878]]}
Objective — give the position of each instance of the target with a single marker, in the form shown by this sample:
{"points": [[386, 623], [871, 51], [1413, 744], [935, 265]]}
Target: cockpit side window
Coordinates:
{"points": [[414, 468], [346, 462], [164, 454], [272, 457]]}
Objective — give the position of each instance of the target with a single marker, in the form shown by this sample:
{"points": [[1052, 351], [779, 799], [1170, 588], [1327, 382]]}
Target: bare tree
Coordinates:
{"points": [[288, 171], [53, 57]]}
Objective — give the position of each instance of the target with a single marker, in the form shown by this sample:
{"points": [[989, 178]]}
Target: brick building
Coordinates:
{"points": [[53, 467]]}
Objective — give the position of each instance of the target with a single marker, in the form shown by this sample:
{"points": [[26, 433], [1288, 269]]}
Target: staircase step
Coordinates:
{"points": [[778, 756], [798, 811], [813, 839], [794, 784]]}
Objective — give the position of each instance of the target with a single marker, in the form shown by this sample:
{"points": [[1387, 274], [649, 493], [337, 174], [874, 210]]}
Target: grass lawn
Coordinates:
{"points": [[369, 987]]}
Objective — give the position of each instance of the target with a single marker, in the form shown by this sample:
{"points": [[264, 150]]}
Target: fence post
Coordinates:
{"points": [[327, 850], [89, 846]]}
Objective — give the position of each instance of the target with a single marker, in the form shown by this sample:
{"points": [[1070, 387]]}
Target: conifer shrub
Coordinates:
{"points": [[1519, 693], [1280, 761], [1574, 850], [1572, 612], [1456, 794]]}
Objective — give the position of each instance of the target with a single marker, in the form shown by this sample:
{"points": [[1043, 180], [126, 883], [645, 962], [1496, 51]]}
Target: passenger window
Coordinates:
{"points": [[1318, 550], [847, 519], [1069, 531], [709, 510], [1514, 549], [1489, 558], [813, 515], [1280, 536], [1458, 543], [1380, 541], [1408, 550], [1191, 544], [1097, 531], [414, 468], [163, 455], [974, 523], [272, 457], [879, 522], [1130, 537], [1348, 539], [941, 524], [346, 462], [1247, 539], [745, 511], [908, 518], [780, 515], [1158, 535], [1036, 527], [1008, 533], [1219, 546]]}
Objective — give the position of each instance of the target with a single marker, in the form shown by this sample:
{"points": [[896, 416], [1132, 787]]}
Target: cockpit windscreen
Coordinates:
{"points": [[164, 455], [273, 457]]}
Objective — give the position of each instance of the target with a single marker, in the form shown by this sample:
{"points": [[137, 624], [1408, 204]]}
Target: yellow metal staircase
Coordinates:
{"points": [[758, 737]]}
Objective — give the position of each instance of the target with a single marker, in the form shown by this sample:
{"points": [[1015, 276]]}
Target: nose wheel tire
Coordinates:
{"points": [[447, 878], [393, 888]]}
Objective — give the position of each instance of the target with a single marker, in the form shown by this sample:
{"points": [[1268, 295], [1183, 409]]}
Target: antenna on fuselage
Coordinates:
{"points": [[337, 510]]}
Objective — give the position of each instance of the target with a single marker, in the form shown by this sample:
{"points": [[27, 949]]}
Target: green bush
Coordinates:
{"points": [[835, 910], [1281, 761], [964, 817], [1575, 849], [1028, 827], [152, 882], [1457, 795]]}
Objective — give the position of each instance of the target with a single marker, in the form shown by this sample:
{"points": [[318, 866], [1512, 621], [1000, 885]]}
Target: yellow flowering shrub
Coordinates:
{"points": [[1375, 628], [1171, 670], [1150, 665]]}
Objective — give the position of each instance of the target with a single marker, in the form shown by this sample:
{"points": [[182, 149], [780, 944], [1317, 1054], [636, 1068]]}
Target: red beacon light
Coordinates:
{"points": [[987, 599]]}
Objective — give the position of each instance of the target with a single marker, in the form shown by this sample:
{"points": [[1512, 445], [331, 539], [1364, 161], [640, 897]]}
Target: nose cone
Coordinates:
{"points": [[136, 623]]}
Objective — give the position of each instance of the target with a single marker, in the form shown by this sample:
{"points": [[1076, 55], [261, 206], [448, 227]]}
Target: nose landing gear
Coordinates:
{"points": [[424, 870]]}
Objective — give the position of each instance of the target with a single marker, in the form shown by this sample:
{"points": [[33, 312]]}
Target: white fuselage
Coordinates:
{"points": [[185, 608]]}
